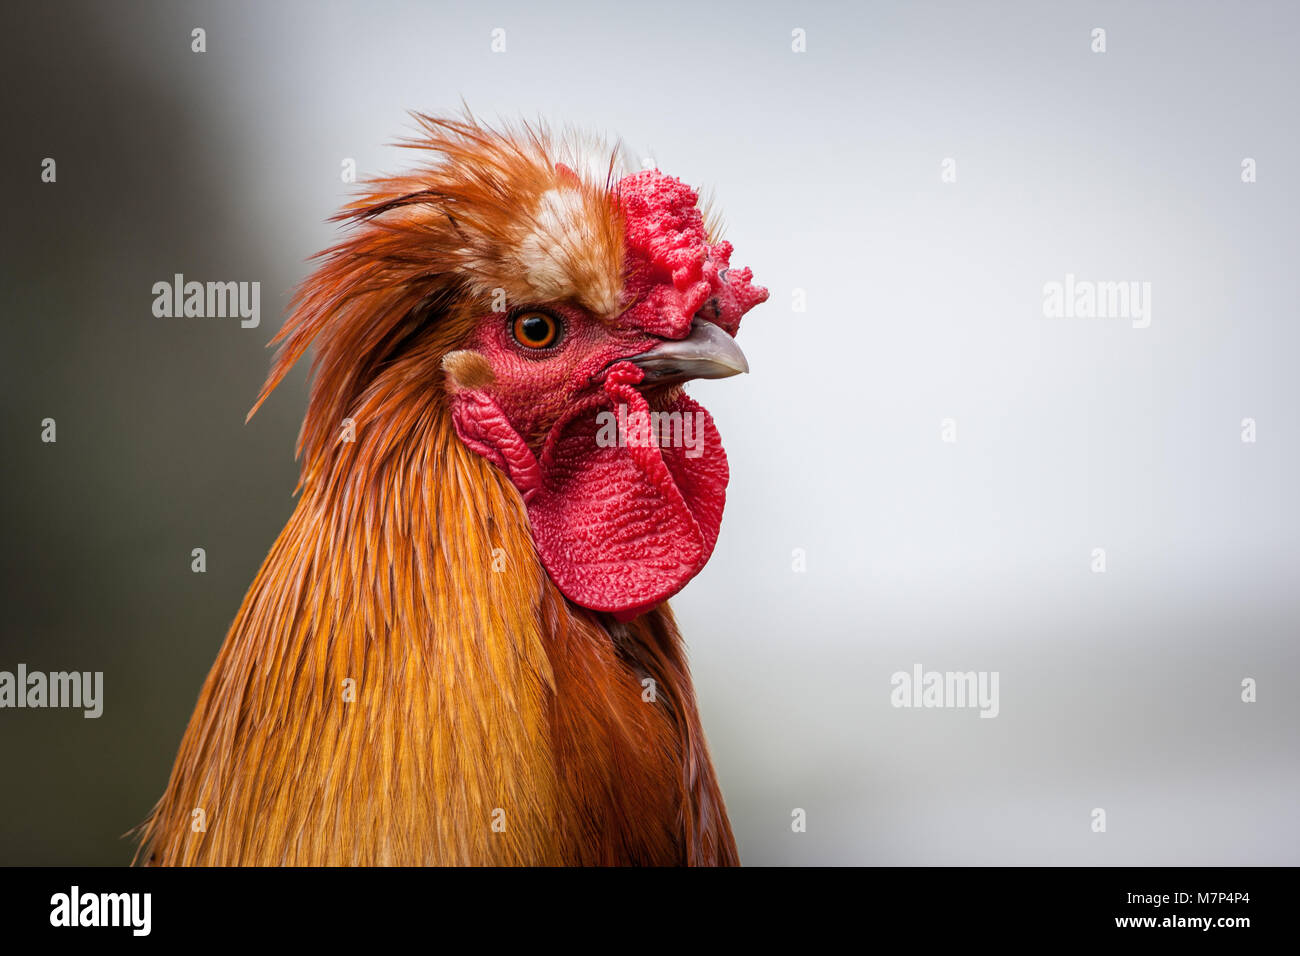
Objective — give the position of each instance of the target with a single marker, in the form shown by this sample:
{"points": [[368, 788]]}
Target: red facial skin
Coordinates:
{"points": [[619, 528], [535, 388]]}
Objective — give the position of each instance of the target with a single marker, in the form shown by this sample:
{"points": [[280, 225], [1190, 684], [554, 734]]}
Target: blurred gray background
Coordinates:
{"points": [[924, 302]]}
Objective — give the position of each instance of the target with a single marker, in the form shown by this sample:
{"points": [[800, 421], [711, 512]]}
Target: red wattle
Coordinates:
{"points": [[619, 527]]}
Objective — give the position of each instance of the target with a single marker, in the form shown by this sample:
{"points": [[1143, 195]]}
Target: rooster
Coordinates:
{"points": [[458, 650]]}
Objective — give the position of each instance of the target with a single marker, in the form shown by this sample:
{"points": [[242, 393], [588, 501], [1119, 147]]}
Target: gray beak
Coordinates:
{"points": [[708, 352]]}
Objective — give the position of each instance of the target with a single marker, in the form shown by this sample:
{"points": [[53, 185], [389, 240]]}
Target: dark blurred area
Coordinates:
{"points": [[152, 457]]}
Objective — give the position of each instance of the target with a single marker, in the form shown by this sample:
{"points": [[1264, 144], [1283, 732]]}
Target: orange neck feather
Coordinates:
{"points": [[403, 684]]}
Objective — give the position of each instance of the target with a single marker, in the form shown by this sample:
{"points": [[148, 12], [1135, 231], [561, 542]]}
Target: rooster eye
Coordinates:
{"points": [[535, 330]]}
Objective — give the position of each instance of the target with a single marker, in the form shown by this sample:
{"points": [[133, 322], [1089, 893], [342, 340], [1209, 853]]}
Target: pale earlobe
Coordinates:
{"points": [[467, 369]]}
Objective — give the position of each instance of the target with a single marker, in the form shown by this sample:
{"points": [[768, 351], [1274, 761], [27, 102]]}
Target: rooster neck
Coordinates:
{"points": [[404, 684], [625, 720]]}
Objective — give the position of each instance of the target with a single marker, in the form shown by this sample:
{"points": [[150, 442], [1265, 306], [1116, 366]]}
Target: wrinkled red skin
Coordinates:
{"points": [[619, 529]]}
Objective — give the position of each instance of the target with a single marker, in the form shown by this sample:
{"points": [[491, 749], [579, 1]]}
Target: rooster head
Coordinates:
{"points": [[565, 303]]}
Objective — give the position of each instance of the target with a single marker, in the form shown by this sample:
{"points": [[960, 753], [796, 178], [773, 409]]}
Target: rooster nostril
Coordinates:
{"points": [[711, 304]]}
